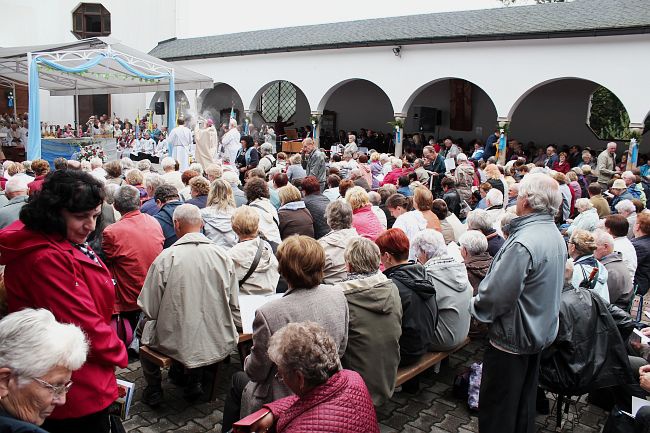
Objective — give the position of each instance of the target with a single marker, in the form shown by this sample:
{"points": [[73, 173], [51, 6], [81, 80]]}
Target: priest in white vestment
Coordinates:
{"points": [[231, 141], [180, 140]]}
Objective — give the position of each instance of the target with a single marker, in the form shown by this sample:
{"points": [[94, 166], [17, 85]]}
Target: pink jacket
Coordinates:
{"points": [[366, 222], [342, 404]]}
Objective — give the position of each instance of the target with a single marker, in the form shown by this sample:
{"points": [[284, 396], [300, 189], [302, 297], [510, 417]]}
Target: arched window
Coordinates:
{"points": [[91, 20], [278, 100]]}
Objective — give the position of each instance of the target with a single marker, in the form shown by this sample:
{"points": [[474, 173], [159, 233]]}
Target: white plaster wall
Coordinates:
{"points": [[437, 95], [505, 70], [50, 22]]}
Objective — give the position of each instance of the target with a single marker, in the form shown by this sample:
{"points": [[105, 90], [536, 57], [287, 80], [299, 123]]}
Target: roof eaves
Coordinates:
{"points": [[426, 40]]}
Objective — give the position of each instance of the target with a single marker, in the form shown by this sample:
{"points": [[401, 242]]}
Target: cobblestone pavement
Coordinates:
{"points": [[432, 409]]}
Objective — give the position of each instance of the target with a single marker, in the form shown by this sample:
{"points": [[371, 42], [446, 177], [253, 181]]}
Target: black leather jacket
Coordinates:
{"points": [[588, 352]]}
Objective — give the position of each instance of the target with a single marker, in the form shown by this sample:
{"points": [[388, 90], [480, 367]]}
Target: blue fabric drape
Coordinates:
{"points": [[34, 131]]}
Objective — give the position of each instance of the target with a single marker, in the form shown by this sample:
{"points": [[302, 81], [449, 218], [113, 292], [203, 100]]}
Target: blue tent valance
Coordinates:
{"points": [[34, 131]]}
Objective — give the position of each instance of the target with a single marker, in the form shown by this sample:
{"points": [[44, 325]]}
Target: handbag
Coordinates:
{"points": [[122, 328]]}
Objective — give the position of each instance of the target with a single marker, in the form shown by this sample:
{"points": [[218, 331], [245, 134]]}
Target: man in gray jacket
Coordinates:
{"points": [[315, 165], [519, 299], [16, 191]]}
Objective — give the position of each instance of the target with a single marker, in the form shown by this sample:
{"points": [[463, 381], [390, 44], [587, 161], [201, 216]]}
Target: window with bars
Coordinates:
{"points": [[90, 20], [278, 100]]}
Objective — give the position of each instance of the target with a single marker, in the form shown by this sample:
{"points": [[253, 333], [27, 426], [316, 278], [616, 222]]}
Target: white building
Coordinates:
{"points": [[533, 66]]}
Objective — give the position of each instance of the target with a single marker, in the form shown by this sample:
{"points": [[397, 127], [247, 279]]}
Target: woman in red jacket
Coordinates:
{"points": [[562, 165], [327, 398], [50, 265]]}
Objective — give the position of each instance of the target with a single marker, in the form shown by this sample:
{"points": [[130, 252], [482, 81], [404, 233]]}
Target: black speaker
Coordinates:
{"points": [[429, 118], [160, 107]]}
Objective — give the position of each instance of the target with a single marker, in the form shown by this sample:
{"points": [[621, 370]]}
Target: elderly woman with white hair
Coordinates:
{"points": [[37, 358], [339, 217], [478, 219], [495, 209], [473, 249], [267, 160], [588, 272], [374, 303], [453, 289], [587, 218], [628, 210]]}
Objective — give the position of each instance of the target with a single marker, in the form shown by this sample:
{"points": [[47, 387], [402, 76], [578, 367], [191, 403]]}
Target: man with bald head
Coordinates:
{"points": [[315, 165], [607, 164]]}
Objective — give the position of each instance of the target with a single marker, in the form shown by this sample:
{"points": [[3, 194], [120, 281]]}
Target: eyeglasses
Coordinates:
{"points": [[279, 377], [57, 390]]}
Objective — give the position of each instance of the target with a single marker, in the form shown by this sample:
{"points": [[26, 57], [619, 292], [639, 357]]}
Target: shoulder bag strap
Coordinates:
{"points": [[260, 207], [256, 261]]}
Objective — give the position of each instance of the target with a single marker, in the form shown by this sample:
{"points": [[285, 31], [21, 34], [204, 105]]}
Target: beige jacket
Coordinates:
{"points": [[269, 220], [190, 297], [334, 244], [605, 166], [264, 279], [325, 305]]}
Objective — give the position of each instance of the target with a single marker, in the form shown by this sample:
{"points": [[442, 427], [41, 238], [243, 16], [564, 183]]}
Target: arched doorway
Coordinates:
{"points": [[182, 106], [451, 107], [564, 112], [355, 105], [217, 103]]}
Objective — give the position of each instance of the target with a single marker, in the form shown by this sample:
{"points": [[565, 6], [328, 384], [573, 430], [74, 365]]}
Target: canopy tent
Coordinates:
{"points": [[88, 67]]}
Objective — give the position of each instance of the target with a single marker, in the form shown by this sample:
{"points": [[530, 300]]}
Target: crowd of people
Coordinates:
{"points": [[379, 260]]}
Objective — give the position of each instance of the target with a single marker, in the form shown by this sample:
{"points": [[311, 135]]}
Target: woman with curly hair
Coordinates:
{"points": [[49, 240], [327, 398], [300, 262]]}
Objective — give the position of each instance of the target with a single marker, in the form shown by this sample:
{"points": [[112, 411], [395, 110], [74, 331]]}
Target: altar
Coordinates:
{"points": [[78, 148]]}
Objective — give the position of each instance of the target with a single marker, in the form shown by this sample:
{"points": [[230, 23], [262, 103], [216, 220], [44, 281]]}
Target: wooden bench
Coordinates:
{"points": [[164, 361], [427, 361]]}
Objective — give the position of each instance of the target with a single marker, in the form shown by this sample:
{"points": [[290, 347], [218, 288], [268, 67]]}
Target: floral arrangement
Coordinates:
{"points": [[90, 151]]}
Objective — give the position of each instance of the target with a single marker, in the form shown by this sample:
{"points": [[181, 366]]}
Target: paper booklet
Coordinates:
{"points": [[248, 305]]}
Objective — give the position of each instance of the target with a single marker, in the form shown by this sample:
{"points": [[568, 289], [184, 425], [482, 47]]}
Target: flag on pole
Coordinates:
{"points": [[137, 123], [634, 155], [501, 148], [232, 112]]}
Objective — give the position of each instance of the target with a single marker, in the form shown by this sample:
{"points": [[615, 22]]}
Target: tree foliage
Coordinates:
{"points": [[608, 117]]}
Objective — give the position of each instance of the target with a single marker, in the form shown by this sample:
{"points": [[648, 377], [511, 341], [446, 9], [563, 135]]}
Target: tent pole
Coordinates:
{"points": [[76, 109]]}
